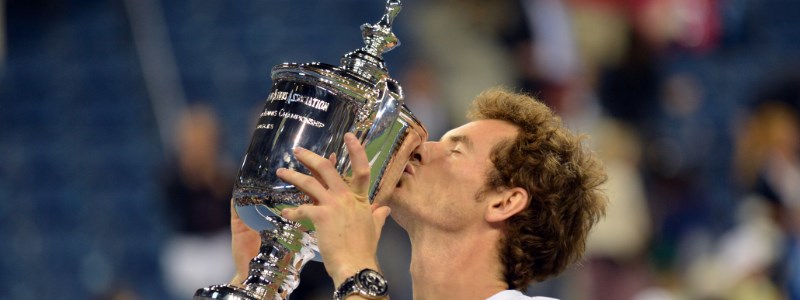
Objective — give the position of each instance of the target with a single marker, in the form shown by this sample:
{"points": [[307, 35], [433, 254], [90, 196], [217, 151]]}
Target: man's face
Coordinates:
{"points": [[442, 179]]}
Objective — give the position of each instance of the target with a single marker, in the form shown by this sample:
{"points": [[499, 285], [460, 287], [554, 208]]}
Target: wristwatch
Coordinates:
{"points": [[367, 283]]}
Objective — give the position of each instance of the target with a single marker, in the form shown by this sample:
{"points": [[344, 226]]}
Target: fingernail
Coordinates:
{"points": [[349, 137], [280, 171], [297, 149]]}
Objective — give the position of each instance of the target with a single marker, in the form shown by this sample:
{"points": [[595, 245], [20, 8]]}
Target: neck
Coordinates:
{"points": [[461, 265]]}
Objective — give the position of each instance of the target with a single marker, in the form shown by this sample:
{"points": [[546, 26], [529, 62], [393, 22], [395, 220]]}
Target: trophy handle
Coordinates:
{"points": [[379, 132], [386, 109]]}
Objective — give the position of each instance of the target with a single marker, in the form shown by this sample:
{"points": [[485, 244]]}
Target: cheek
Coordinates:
{"points": [[470, 175], [464, 185]]}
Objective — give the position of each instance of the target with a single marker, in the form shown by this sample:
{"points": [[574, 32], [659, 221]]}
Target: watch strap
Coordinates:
{"points": [[353, 285], [345, 289]]}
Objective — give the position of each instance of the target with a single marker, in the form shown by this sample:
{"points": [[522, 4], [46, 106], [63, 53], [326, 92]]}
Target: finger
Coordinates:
{"points": [[379, 216], [359, 183], [313, 172], [299, 213], [332, 158], [322, 167], [307, 184], [318, 178]]}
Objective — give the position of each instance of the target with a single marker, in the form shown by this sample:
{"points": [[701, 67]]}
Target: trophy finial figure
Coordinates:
{"points": [[378, 37], [393, 8]]}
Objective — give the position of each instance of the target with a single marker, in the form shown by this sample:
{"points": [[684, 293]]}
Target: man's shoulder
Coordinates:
{"points": [[515, 295]]}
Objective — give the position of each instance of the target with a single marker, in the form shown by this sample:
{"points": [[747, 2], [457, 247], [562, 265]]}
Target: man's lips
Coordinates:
{"points": [[409, 169]]}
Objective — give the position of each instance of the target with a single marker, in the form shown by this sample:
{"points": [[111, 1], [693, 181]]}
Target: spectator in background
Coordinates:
{"points": [[460, 39], [680, 142], [767, 153], [744, 262], [197, 188], [617, 248], [767, 162]]}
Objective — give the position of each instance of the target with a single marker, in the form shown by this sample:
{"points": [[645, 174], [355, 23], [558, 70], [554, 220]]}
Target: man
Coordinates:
{"points": [[503, 201]]}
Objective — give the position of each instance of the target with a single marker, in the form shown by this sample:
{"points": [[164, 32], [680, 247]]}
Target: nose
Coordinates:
{"points": [[416, 155], [422, 154]]}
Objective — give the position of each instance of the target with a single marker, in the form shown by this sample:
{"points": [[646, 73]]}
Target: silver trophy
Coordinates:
{"points": [[312, 106]]}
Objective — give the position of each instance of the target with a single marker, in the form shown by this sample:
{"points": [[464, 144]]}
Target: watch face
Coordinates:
{"points": [[372, 282]]}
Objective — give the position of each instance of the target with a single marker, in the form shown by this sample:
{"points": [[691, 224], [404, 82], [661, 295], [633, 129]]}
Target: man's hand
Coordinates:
{"points": [[348, 227], [245, 243]]}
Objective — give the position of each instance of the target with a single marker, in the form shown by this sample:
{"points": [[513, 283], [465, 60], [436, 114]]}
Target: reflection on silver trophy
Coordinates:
{"points": [[312, 106]]}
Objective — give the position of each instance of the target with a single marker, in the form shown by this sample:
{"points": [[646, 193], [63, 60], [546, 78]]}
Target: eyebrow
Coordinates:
{"points": [[462, 139]]}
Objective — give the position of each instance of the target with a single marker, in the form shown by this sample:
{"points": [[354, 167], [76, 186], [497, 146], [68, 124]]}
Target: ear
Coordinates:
{"points": [[509, 202]]}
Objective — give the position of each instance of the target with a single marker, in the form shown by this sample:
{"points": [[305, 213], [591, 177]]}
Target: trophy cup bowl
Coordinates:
{"points": [[312, 106]]}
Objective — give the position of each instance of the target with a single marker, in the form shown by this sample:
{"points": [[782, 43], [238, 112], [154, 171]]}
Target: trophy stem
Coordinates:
{"points": [[274, 272], [276, 268]]}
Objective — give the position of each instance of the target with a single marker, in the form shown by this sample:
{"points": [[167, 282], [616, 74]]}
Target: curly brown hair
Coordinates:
{"points": [[561, 176]]}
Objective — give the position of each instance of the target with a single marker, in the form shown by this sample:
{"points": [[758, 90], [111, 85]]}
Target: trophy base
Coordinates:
{"points": [[274, 272], [224, 292]]}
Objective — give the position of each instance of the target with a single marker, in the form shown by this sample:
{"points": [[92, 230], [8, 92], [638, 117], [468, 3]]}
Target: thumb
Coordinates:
{"points": [[379, 218], [294, 213]]}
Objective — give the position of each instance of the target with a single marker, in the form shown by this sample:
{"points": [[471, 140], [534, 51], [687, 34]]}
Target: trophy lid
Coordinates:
{"points": [[378, 39]]}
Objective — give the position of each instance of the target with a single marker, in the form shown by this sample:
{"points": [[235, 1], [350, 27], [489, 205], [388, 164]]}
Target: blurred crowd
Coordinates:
{"points": [[694, 106]]}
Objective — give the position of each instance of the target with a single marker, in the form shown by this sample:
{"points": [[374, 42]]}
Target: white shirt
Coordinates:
{"points": [[515, 295]]}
